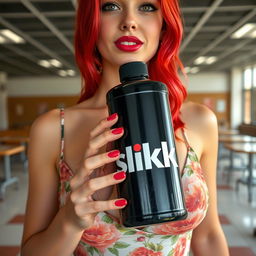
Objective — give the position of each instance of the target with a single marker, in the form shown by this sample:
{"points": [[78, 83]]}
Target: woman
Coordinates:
{"points": [[72, 204]]}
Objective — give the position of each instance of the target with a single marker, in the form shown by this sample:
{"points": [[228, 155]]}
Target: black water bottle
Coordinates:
{"points": [[153, 184]]}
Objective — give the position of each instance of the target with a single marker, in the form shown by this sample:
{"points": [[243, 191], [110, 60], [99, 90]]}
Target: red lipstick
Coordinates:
{"points": [[128, 43]]}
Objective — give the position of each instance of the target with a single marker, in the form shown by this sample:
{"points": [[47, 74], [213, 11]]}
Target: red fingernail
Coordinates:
{"points": [[119, 175], [117, 130], [112, 117], [120, 202], [114, 153]]}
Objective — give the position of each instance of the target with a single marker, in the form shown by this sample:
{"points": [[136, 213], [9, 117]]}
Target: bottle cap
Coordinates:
{"points": [[135, 70]]}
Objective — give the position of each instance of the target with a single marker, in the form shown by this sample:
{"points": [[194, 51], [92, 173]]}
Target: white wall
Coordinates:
{"points": [[236, 97], [207, 82], [43, 86], [204, 82], [31, 86]]}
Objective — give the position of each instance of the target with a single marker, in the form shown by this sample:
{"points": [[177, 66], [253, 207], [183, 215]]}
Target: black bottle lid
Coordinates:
{"points": [[135, 70], [132, 75]]}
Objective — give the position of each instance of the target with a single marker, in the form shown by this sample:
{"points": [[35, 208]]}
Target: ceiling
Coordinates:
{"points": [[48, 25]]}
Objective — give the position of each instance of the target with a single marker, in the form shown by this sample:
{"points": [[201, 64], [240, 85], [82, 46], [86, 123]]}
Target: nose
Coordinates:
{"points": [[128, 27], [128, 23]]}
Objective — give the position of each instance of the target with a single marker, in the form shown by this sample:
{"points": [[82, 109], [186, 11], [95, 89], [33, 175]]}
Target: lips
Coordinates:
{"points": [[128, 43]]}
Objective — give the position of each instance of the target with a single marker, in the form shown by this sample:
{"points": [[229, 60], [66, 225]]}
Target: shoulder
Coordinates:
{"points": [[47, 127], [198, 117], [46, 124], [201, 126], [45, 135]]}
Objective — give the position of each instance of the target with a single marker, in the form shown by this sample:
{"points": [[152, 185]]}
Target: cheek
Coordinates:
{"points": [[106, 28], [154, 28], [104, 35], [154, 33]]}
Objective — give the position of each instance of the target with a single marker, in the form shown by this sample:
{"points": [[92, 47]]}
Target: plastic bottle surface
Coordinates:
{"points": [[148, 154]]}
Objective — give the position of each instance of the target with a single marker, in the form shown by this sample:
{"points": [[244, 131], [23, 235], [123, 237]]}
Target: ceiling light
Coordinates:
{"points": [[244, 31], [253, 34], [205, 60], [44, 63], [62, 73], [55, 63], [194, 70], [2, 40], [8, 34], [71, 72], [211, 60], [200, 60]]}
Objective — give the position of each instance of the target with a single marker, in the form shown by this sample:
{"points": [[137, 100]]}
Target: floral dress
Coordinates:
{"points": [[107, 237]]}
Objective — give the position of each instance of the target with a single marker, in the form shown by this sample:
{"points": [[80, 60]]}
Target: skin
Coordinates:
{"points": [[49, 230]]}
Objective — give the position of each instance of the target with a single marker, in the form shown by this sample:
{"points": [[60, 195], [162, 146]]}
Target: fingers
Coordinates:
{"points": [[84, 208], [91, 186], [92, 163], [104, 124], [99, 141], [100, 206], [101, 135]]}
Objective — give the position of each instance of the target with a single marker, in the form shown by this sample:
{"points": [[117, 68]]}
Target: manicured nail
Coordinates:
{"points": [[112, 117], [114, 153], [119, 175], [118, 130], [120, 202]]}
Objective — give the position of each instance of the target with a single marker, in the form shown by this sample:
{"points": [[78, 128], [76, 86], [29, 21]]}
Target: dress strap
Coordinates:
{"points": [[62, 133], [185, 138]]}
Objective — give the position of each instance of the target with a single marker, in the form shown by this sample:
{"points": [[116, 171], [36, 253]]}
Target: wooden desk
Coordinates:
{"points": [[236, 138], [7, 151], [14, 139], [228, 132], [232, 139], [250, 150], [18, 139]]}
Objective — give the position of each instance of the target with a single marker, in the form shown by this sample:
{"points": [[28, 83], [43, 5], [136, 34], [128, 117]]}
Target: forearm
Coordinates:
{"points": [[211, 246], [59, 239]]}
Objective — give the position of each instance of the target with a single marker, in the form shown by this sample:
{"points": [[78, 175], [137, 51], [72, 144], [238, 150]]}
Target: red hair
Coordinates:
{"points": [[162, 67]]}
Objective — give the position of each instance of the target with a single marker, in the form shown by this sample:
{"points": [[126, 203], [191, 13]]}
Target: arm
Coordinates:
{"points": [[48, 230], [45, 229], [208, 238]]}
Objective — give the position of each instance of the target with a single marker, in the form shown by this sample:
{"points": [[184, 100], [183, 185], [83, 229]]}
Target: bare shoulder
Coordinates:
{"points": [[46, 125], [45, 133], [198, 117], [81, 118], [201, 127]]}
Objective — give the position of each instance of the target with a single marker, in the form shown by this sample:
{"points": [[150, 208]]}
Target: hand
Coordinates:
{"points": [[81, 209]]}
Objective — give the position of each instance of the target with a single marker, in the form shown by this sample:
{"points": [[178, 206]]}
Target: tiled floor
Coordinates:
{"points": [[238, 218]]}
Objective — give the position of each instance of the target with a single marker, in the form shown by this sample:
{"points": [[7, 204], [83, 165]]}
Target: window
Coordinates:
{"points": [[249, 95]]}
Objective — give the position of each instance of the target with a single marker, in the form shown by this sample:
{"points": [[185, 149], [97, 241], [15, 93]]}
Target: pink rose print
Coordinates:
{"points": [[178, 227], [141, 239], [141, 233], [101, 235], [80, 251], [195, 198], [188, 183], [64, 172], [180, 247], [142, 251], [195, 166]]}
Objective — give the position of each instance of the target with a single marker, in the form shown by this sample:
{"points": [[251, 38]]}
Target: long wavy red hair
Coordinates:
{"points": [[162, 67]]}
